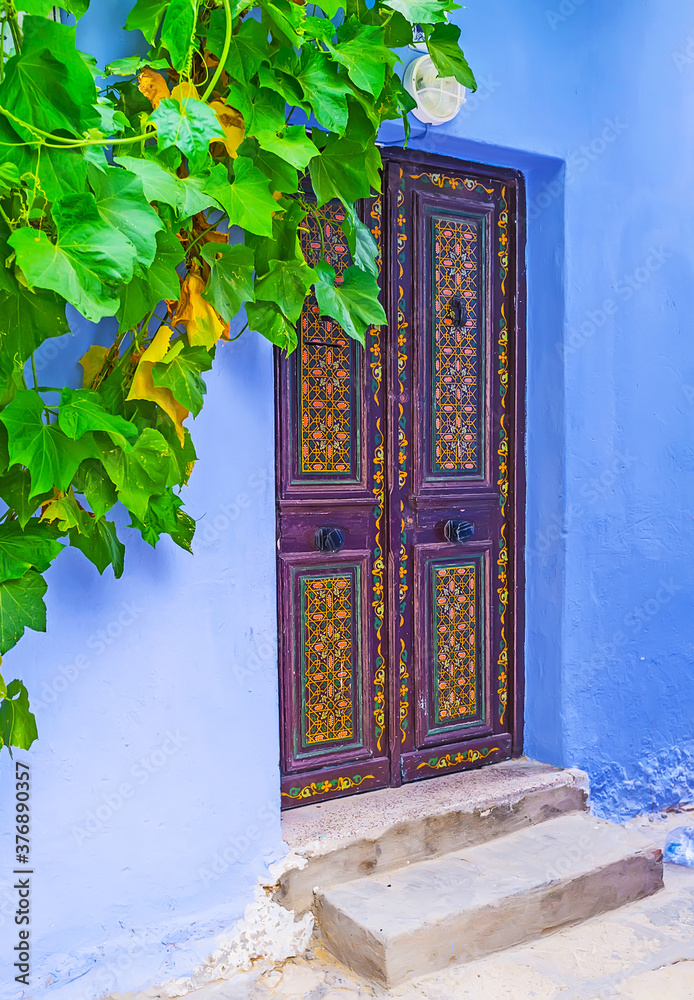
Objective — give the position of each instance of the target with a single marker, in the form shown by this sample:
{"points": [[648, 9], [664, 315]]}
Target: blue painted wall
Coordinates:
{"points": [[155, 778], [596, 103]]}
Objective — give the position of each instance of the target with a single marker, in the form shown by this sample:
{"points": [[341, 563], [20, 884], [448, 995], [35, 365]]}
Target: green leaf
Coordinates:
{"points": [[129, 65], [284, 84], [87, 263], [319, 27], [158, 183], [17, 722], [361, 50], [33, 547], [182, 376], [286, 284], [76, 7], [49, 85], [353, 304], [40, 8], [184, 454], [101, 545], [362, 245], [65, 513], [82, 411], [420, 11], [187, 124], [9, 178], [15, 490], [26, 319], [21, 607], [249, 46], [248, 201], [324, 89], [267, 319], [159, 282], [140, 472], [91, 480], [291, 144], [146, 16], [285, 20], [447, 56], [121, 202], [164, 516], [51, 457], [339, 171], [230, 283], [178, 30], [282, 175], [398, 31], [262, 109]]}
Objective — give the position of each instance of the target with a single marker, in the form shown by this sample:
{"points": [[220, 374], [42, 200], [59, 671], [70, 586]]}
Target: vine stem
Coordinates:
{"points": [[223, 58], [60, 143]]}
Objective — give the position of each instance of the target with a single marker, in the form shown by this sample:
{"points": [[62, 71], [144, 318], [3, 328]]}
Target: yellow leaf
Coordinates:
{"points": [[183, 90], [203, 325], [153, 86], [92, 363], [143, 386], [232, 126]]}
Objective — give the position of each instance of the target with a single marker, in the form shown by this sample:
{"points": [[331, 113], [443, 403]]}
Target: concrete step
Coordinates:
{"points": [[339, 841], [475, 901]]}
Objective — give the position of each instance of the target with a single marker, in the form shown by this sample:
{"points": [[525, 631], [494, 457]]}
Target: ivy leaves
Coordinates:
{"points": [[85, 263], [201, 208]]}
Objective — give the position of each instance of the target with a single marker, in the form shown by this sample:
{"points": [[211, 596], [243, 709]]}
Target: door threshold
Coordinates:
{"points": [[381, 830]]}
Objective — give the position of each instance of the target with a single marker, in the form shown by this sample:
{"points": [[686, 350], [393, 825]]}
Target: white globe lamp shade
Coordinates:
{"points": [[439, 99]]}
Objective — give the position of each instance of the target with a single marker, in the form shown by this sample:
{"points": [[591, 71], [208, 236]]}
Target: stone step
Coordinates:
{"points": [[377, 832], [475, 901]]}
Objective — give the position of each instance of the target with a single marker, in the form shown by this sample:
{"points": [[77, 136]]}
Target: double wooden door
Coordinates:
{"points": [[400, 495]]}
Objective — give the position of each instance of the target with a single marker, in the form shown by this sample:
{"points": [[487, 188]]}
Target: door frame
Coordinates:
{"points": [[515, 407]]}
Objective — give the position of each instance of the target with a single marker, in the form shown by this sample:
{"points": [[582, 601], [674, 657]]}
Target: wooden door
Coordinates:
{"points": [[400, 492]]}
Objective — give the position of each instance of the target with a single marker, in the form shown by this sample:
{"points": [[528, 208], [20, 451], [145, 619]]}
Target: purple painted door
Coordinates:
{"points": [[400, 496]]}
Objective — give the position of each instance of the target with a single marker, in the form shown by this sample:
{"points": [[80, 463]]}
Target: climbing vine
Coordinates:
{"points": [[167, 191]]}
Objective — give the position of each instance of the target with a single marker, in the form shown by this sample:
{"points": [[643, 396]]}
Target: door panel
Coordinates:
{"points": [[331, 603], [451, 431], [401, 648]]}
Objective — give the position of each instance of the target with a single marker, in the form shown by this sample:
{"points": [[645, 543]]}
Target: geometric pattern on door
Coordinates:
{"points": [[455, 642], [328, 658], [397, 652], [326, 410], [457, 418]]}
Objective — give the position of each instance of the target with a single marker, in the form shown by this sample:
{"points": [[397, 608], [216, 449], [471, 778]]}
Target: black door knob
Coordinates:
{"points": [[458, 531], [458, 309], [330, 539]]}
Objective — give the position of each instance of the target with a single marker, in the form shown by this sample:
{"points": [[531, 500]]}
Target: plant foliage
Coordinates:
{"points": [[168, 191]]}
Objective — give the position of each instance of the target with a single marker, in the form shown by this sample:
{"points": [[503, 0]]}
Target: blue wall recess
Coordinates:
{"points": [[156, 788]]}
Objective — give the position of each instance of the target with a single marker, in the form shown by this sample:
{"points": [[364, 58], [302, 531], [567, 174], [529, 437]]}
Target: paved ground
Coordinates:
{"points": [[644, 951]]}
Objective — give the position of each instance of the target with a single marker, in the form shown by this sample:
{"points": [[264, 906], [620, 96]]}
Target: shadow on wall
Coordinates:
{"points": [[546, 179]]}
